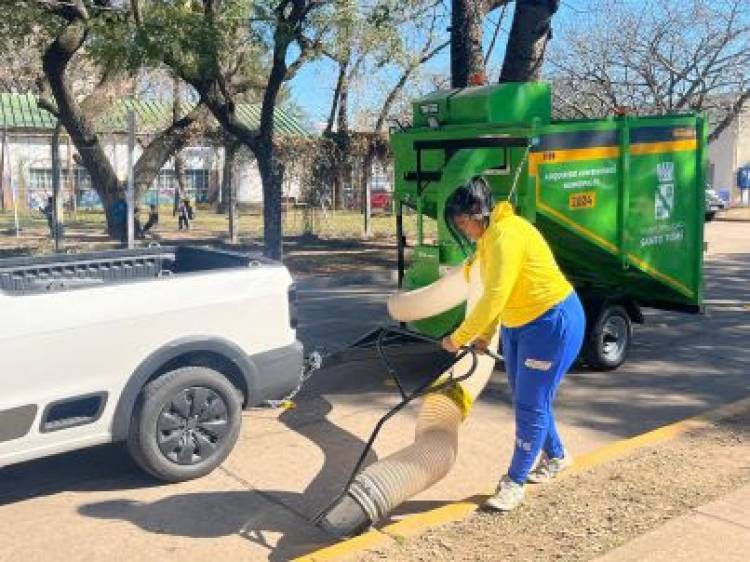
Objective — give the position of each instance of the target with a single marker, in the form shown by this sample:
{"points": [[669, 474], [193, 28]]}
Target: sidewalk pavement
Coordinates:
{"points": [[717, 531], [735, 214]]}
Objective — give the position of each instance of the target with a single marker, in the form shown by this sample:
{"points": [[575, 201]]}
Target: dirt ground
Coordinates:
{"points": [[338, 251], [586, 515]]}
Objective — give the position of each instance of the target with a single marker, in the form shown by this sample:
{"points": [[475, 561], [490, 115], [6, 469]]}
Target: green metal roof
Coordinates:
{"points": [[20, 111]]}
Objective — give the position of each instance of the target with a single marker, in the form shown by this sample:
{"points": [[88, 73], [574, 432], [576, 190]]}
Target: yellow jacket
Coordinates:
{"points": [[520, 276]]}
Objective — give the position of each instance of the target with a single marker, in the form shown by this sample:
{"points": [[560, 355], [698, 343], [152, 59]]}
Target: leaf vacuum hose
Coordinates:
{"points": [[384, 485]]}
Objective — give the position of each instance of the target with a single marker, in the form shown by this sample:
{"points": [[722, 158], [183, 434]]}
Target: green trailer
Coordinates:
{"points": [[620, 200]]}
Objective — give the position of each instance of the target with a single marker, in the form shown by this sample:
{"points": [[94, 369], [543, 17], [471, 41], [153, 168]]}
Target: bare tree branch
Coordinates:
{"points": [[731, 115]]}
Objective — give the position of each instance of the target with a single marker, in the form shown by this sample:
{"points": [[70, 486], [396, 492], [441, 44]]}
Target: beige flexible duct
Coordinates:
{"points": [[444, 294], [384, 485]]}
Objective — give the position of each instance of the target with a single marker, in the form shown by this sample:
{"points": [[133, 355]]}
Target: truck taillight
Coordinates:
{"points": [[292, 295]]}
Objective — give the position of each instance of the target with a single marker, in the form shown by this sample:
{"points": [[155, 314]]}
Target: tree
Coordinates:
{"points": [[467, 58], [668, 56], [65, 36], [223, 48], [19, 50], [529, 34], [378, 48]]}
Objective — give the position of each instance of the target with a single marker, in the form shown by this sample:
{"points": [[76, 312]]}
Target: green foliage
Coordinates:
{"points": [[25, 30]]}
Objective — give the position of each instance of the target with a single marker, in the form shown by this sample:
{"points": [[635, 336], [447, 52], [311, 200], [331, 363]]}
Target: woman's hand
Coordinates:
{"points": [[448, 345], [481, 345]]}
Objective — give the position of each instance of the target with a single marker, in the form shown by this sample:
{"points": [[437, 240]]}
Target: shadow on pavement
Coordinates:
{"points": [[680, 364], [104, 468], [267, 518], [283, 528]]}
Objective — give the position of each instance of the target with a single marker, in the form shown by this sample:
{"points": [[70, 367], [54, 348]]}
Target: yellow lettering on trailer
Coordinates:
{"points": [[584, 200], [571, 155]]}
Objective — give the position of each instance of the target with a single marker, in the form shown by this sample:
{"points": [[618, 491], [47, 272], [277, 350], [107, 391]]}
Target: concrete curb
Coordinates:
{"points": [[456, 511]]}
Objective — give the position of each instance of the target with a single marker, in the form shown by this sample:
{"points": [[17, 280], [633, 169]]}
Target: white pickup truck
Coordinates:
{"points": [[161, 347]]}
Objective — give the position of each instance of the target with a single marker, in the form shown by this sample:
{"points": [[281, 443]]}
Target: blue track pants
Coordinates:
{"points": [[537, 356]]}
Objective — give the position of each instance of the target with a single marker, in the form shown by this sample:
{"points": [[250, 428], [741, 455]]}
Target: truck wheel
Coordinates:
{"points": [[185, 424], [608, 342]]}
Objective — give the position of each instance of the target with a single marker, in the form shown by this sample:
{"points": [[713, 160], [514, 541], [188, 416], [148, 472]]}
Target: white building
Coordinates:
{"points": [[727, 155], [26, 156]]}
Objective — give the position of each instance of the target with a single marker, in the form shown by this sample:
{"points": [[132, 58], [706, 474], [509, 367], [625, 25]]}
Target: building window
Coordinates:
{"points": [[196, 183], [40, 186], [381, 178], [163, 188], [87, 197]]}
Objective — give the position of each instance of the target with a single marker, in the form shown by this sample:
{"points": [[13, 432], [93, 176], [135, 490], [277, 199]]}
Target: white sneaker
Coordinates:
{"points": [[509, 496], [547, 469]]}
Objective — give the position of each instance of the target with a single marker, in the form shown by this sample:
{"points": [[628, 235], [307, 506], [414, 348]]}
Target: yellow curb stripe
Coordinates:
{"points": [[368, 540], [419, 522], [622, 448]]}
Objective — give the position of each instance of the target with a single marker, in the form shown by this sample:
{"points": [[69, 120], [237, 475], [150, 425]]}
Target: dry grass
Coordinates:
{"points": [[84, 230], [584, 516]]}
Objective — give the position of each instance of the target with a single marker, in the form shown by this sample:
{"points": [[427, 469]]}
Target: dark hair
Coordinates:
{"points": [[474, 198]]}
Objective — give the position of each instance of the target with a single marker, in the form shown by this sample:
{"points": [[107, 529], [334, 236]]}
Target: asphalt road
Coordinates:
{"points": [[95, 504]]}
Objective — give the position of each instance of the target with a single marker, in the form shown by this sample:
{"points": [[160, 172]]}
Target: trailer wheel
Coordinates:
{"points": [[185, 424], [608, 342]]}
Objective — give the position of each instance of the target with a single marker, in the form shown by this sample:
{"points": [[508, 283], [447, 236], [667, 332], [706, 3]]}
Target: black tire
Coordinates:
{"points": [[185, 424], [608, 341]]}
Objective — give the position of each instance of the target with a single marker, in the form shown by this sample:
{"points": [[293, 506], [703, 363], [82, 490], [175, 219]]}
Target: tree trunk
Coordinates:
{"points": [[529, 34], [179, 163], [467, 59], [366, 174], [222, 206], [229, 189], [164, 146], [54, 63], [82, 133], [3, 187], [179, 174], [335, 102], [218, 99], [271, 173], [71, 183]]}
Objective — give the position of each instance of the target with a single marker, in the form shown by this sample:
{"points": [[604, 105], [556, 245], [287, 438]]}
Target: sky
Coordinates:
{"points": [[312, 89]]}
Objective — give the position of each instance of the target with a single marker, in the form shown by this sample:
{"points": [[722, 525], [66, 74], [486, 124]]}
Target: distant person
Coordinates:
{"points": [[49, 213], [153, 219], [184, 215], [119, 217], [137, 227]]}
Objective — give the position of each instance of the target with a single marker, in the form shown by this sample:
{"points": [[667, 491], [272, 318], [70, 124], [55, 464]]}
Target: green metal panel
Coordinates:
{"points": [[506, 104], [576, 180], [620, 200], [425, 270], [665, 225]]}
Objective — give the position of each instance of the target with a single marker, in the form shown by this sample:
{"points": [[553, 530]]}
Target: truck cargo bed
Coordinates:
{"points": [[62, 272]]}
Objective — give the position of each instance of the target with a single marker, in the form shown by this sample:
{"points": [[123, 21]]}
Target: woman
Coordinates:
{"points": [[542, 328]]}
